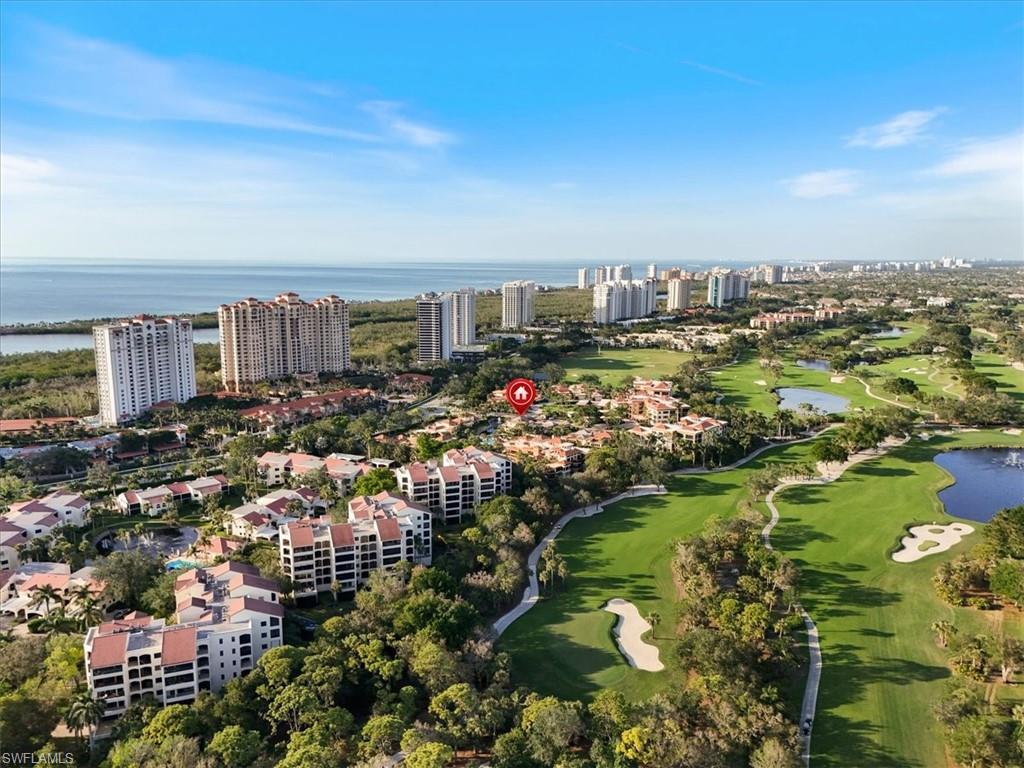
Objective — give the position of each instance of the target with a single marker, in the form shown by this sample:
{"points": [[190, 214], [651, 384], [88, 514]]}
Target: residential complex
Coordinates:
{"points": [[141, 362], [433, 327], [725, 286], [155, 501], [343, 469], [517, 300], [458, 484], [624, 300], [20, 596], [679, 291], [25, 520], [267, 340], [303, 409], [652, 271], [770, 274], [382, 531], [226, 618]]}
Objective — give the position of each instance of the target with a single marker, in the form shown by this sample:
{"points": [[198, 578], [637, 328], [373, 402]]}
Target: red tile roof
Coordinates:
{"points": [[108, 650], [301, 534], [254, 604], [178, 645], [388, 529], [342, 536]]}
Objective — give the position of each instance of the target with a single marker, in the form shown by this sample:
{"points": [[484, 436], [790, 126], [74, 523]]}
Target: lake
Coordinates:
{"points": [[985, 482], [814, 365], [794, 397], [13, 344]]}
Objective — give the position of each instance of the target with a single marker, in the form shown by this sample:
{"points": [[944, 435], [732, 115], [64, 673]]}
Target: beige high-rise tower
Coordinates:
{"points": [[265, 340]]}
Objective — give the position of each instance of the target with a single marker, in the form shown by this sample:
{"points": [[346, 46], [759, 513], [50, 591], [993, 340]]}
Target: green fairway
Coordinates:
{"points": [[927, 371], [744, 384], [1009, 380], [882, 670], [565, 645], [614, 366]]}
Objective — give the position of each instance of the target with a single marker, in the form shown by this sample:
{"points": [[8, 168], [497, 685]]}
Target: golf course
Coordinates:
{"points": [[614, 366], [882, 668]]}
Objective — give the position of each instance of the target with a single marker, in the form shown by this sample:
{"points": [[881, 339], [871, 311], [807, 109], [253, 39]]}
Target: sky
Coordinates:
{"points": [[353, 133]]}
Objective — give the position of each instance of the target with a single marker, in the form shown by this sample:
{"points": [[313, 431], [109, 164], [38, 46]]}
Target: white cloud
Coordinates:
{"points": [[1004, 154], [417, 134], [905, 128], [98, 77], [817, 184], [21, 174]]}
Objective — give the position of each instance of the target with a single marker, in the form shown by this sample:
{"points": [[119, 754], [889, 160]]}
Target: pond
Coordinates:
{"points": [[889, 333], [815, 365], [794, 397], [987, 480]]}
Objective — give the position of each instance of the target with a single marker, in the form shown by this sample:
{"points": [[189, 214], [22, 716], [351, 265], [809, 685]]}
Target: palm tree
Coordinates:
{"points": [[654, 619], [944, 632], [84, 712], [45, 594], [89, 612]]}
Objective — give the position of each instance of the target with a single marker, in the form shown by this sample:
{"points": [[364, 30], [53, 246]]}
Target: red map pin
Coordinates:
{"points": [[520, 394]]}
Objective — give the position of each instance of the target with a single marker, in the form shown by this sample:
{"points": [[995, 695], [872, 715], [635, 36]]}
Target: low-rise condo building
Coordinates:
{"points": [[458, 484], [25, 520], [22, 597], [226, 618], [382, 531], [155, 501]]}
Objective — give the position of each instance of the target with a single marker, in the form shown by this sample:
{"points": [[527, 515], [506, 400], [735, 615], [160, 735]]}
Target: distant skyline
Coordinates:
{"points": [[611, 133]]}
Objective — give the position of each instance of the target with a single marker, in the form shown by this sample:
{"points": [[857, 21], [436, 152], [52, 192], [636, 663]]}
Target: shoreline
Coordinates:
{"points": [[208, 319]]}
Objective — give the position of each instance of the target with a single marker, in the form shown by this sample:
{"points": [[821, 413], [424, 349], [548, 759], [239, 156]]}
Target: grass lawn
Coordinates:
{"points": [[739, 383], [614, 366], [882, 670], [565, 645]]}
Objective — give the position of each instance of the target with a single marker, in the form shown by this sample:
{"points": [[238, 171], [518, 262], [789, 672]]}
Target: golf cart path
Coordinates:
{"points": [[810, 702]]}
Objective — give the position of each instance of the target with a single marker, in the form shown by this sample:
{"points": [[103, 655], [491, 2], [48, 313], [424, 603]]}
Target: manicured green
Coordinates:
{"points": [[614, 366], [565, 645], [882, 670]]}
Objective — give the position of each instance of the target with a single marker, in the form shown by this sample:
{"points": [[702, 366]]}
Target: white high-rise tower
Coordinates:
{"points": [[463, 316], [141, 362], [517, 303], [433, 327]]}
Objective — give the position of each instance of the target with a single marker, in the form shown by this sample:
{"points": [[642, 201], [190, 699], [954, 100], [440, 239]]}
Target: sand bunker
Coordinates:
{"points": [[927, 540], [628, 634], [761, 383]]}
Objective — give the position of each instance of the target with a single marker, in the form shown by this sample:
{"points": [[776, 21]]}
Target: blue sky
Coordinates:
{"points": [[347, 133]]}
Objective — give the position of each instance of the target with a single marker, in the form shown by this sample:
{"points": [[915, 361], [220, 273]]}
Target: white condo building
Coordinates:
{"points": [[226, 618], [771, 274], [266, 340], [724, 286], [433, 327], [463, 302], [456, 485], [382, 531], [624, 300], [583, 278], [517, 303], [141, 362], [620, 272], [652, 271], [600, 275], [679, 294]]}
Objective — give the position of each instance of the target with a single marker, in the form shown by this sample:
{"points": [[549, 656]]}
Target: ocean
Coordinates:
{"points": [[32, 292]]}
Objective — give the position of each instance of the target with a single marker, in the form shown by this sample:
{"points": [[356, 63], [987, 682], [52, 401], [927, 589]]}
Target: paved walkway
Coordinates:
{"points": [[810, 702]]}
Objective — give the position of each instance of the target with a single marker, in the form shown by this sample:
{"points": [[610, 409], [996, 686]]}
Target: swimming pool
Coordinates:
{"points": [[180, 564]]}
